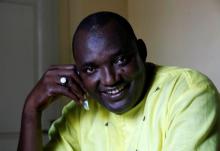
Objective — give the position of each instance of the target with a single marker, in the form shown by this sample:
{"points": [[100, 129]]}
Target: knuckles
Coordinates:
{"points": [[49, 82]]}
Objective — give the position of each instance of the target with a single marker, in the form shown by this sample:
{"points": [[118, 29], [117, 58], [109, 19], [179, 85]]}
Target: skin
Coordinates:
{"points": [[108, 60], [41, 96], [117, 65]]}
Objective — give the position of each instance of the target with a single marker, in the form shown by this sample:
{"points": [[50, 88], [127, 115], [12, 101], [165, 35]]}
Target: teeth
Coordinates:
{"points": [[115, 91]]}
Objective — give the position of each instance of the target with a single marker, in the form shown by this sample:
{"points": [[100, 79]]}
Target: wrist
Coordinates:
{"points": [[30, 112]]}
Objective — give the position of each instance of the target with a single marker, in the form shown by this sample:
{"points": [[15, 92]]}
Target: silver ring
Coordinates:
{"points": [[63, 81]]}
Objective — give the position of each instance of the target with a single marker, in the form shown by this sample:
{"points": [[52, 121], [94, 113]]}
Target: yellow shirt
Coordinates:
{"points": [[178, 113]]}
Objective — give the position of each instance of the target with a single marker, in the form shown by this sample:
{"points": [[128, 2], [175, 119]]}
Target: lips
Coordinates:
{"points": [[115, 93], [115, 90]]}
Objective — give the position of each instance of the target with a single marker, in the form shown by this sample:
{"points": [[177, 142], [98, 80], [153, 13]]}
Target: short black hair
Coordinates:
{"points": [[100, 19]]}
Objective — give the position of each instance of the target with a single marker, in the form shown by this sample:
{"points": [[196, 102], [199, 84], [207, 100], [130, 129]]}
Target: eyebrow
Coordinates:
{"points": [[112, 56], [87, 64]]}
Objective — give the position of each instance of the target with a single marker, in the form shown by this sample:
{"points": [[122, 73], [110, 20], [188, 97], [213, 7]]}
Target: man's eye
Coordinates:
{"points": [[89, 70], [121, 60]]}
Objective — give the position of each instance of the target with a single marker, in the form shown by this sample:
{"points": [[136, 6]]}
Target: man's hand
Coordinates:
{"points": [[48, 87]]}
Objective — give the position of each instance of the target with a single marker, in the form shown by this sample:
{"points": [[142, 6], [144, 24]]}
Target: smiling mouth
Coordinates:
{"points": [[115, 92]]}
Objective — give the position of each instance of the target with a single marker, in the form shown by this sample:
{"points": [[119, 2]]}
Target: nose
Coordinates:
{"points": [[108, 76]]}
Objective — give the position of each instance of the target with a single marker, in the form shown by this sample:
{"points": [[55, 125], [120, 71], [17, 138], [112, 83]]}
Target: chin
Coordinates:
{"points": [[119, 107]]}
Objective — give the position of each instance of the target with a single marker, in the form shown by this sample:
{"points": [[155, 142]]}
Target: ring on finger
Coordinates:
{"points": [[63, 81]]}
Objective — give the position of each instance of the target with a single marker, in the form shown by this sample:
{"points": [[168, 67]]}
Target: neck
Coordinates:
{"points": [[149, 77]]}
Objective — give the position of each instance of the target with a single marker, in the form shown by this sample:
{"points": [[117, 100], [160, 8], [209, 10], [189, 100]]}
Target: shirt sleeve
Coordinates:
{"points": [[63, 134], [194, 119]]}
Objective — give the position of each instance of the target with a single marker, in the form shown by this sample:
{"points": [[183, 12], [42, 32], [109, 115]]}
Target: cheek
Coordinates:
{"points": [[133, 70], [89, 83]]}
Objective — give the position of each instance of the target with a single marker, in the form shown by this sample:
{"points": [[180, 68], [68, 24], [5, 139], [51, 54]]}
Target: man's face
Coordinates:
{"points": [[110, 67]]}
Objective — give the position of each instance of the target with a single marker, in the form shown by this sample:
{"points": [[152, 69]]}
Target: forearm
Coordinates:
{"points": [[41, 96], [30, 133]]}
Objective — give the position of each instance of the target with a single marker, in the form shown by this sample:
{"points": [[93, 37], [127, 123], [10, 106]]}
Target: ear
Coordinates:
{"points": [[142, 49]]}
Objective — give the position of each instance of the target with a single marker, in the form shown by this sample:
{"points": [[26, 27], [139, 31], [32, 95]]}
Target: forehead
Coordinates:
{"points": [[106, 40]]}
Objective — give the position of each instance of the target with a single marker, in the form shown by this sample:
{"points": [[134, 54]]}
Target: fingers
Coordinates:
{"points": [[50, 86], [69, 70], [73, 81], [59, 90], [66, 66]]}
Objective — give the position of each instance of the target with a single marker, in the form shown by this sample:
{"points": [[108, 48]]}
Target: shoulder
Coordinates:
{"points": [[72, 110], [187, 76], [184, 86]]}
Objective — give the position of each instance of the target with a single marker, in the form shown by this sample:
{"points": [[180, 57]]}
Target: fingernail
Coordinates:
{"points": [[86, 105]]}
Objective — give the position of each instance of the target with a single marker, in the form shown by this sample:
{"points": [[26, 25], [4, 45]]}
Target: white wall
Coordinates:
{"points": [[28, 45], [183, 33]]}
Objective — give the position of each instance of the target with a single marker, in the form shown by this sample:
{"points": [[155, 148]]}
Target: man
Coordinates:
{"points": [[133, 105]]}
